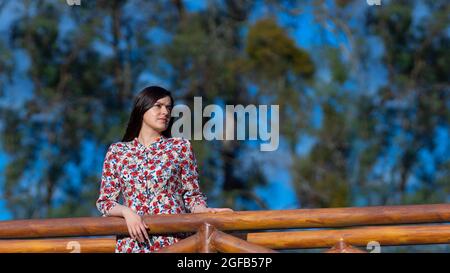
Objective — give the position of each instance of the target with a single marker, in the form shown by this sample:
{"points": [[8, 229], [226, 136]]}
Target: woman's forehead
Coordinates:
{"points": [[165, 100]]}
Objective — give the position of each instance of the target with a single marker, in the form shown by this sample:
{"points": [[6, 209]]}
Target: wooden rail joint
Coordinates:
{"points": [[205, 233]]}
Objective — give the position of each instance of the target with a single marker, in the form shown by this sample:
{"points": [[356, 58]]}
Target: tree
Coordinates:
{"points": [[210, 57], [413, 105], [84, 68], [80, 97]]}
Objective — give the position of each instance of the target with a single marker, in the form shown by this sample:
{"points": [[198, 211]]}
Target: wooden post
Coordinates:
{"points": [[342, 247], [204, 235]]}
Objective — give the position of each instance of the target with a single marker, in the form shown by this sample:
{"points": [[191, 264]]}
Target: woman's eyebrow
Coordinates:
{"points": [[167, 105]]}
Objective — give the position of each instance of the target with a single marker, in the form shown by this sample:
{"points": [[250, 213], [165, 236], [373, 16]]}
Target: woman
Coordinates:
{"points": [[155, 173]]}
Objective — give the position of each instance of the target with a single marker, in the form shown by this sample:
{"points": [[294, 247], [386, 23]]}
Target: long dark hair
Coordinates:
{"points": [[144, 101]]}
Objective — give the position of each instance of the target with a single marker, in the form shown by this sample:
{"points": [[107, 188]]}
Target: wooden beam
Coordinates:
{"points": [[241, 220], [230, 244], [188, 245], [62, 245], [62, 227], [361, 236]]}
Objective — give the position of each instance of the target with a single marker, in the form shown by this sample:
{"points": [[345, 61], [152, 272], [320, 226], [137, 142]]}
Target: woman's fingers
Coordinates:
{"points": [[144, 232], [143, 223], [136, 233], [223, 210], [139, 234], [130, 232]]}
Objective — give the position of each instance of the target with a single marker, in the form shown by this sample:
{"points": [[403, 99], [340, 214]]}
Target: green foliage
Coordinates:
{"points": [[413, 101], [209, 59], [273, 53], [77, 95], [84, 78], [322, 179]]}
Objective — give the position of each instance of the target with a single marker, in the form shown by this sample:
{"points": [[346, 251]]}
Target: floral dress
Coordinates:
{"points": [[159, 179]]}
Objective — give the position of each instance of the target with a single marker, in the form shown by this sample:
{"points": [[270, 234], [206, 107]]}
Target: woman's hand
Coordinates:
{"points": [[201, 209], [136, 225]]}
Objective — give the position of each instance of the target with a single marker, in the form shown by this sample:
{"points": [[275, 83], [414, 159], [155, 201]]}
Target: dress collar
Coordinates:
{"points": [[158, 140]]}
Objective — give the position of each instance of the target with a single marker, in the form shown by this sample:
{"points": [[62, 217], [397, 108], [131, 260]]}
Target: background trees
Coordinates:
{"points": [[363, 95]]}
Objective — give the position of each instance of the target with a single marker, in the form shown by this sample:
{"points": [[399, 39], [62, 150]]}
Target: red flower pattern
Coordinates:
{"points": [[159, 179]]}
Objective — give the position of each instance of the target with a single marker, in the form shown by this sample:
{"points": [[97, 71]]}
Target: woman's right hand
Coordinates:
{"points": [[136, 225]]}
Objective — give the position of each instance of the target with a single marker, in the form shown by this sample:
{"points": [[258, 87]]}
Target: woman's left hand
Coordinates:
{"points": [[213, 210]]}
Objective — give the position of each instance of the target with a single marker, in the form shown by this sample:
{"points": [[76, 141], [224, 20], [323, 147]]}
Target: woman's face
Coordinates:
{"points": [[158, 116]]}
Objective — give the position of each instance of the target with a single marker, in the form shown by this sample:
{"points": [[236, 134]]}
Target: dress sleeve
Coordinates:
{"points": [[192, 195], [110, 186]]}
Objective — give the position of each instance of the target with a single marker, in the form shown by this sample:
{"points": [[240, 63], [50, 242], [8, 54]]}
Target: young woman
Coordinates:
{"points": [[155, 173]]}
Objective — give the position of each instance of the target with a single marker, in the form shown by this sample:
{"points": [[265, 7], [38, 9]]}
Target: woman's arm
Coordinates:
{"points": [[107, 203], [194, 199], [119, 211], [192, 196], [110, 187], [202, 209]]}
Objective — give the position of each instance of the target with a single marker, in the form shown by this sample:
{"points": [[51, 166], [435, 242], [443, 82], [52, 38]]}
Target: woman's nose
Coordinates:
{"points": [[165, 111]]}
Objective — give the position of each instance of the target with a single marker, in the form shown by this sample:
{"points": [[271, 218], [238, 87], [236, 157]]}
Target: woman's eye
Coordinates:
{"points": [[169, 108]]}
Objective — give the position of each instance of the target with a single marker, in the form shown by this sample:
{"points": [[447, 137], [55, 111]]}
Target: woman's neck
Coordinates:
{"points": [[147, 137]]}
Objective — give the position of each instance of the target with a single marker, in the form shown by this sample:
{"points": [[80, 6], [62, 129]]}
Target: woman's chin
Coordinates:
{"points": [[160, 129]]}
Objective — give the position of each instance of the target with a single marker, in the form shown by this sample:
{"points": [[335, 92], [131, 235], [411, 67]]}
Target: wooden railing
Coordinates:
{"points": [[336, 229]]}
